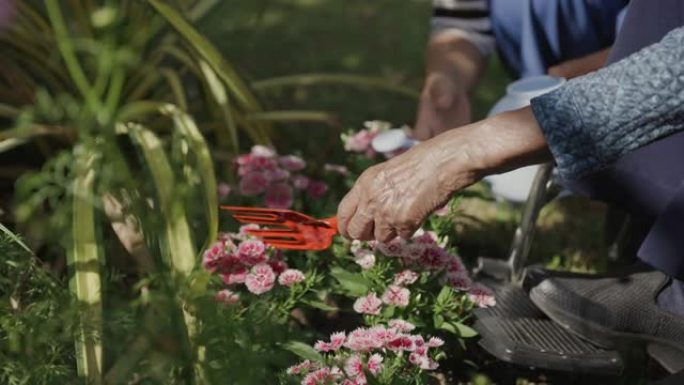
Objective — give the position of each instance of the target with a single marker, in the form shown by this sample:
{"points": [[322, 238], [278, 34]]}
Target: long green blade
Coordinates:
{"points": [[208, 52], [318, 79], [228, 137], [204, 167], [14, 238], [178, 246], [86, 281]]}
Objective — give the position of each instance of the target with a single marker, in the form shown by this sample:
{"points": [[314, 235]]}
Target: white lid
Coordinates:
{"points": [[534, 86], [390, 140]]}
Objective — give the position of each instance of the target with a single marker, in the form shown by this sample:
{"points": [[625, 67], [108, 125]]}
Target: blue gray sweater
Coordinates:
{"points": [[593, 120]]}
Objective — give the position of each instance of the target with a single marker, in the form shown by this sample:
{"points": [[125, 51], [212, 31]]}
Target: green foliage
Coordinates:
{"points": [[35, 321], [97, 85], [304, 351]]}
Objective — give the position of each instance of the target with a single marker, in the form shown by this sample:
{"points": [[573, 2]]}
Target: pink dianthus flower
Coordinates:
{"points": [[397, 296], [481, 295], [369, 304], [252, 252], [316, 189], [291, 162], [261, 279], [227, 296], [290, 277]]}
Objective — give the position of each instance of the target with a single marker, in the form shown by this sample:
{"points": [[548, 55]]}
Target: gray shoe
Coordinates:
{"points": [[612, 312]]}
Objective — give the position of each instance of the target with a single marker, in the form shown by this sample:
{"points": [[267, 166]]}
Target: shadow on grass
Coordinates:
{"points": [[569, 235]]}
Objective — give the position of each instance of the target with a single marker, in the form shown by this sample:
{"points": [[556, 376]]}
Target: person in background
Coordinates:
{"points": [[565, 38], [616, 134]]}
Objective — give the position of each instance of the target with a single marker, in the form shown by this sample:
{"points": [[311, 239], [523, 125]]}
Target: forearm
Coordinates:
{"points": [[455, 57], [581, 66], [503, 142]]}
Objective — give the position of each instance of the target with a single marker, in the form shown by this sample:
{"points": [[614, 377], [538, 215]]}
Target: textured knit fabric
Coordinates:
{"points": [[595, 119]]}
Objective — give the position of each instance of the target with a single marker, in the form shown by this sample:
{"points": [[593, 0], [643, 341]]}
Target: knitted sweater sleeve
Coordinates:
{"points": [[593, 120]]}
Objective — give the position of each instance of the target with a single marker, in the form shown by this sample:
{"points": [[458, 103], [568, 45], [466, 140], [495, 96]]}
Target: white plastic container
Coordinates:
{"points": [[392, 140], [515, 185]]}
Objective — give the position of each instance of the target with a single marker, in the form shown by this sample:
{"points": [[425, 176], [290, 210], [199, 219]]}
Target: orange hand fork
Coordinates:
{"points": [[287, 229]]}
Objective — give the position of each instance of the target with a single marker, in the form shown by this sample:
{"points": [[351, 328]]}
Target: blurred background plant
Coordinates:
{"points": [[102, 94]]}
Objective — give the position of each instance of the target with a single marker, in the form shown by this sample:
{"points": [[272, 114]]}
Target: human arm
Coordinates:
{"points": [[586, 124], [456, 52], [581, 66], [394, 198]]}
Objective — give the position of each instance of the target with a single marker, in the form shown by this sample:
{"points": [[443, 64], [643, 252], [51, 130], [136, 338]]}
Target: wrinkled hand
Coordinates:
{"points": [[394, 198], [443, 105]]}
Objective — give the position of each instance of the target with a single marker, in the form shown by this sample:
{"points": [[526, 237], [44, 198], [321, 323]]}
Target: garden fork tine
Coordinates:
{"points": [[256, 216], [290, 229]]}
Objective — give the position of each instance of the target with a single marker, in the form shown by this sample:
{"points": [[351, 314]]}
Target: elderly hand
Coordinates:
{"points": [[394, 198], [443, 105]]}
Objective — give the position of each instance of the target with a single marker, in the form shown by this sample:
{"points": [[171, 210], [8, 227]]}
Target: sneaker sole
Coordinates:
{"points": [[593, 332]]}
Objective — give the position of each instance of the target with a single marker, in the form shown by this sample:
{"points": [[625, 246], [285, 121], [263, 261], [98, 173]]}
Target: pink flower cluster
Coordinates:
{"points": [[422, 252], [350, 356], [360, 141], [241, 259], [263, 171]]}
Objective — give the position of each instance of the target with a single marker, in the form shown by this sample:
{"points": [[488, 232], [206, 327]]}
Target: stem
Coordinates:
{"points": [[86, 281]]}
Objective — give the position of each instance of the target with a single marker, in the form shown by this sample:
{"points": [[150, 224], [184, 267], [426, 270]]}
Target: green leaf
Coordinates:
{"points": [[334, 79], [304, 351], [459, 329], [465, 331], [204, 166], [295, 116], [178, 241], [66, 49], [370, 378], [7, 111], [354, 284], [444, 295], [177, 244], [8, 144], [86, 281], [321, 305], [388, 312], [208, 52], [227, 137], [176, 85], [448, 327], [438, 320], [14, 238], [236, 86]]}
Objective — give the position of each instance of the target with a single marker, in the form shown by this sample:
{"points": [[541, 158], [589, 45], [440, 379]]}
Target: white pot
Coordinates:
{"points": [[515, 185], [392, 140]]}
